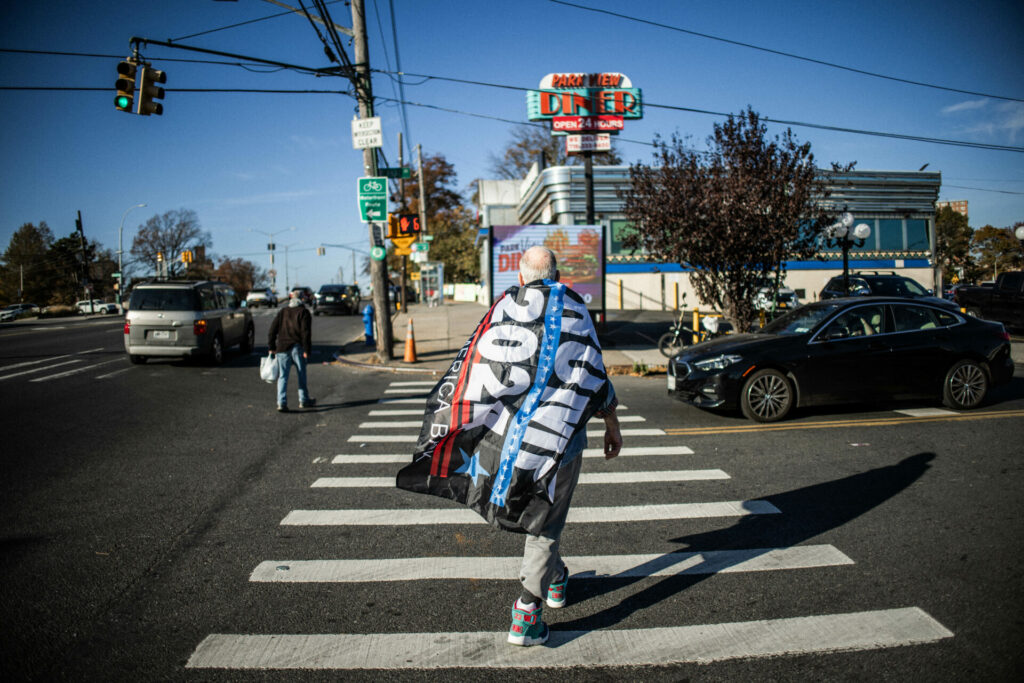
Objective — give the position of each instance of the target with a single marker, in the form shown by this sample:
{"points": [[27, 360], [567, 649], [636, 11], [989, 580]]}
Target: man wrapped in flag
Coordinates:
{"points": [[505, 428]]}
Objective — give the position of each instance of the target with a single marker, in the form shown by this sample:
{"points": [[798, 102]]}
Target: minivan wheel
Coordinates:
{"points": [[965, 386], [136, 360], [217, 350], [250, 340], [767, 396]]}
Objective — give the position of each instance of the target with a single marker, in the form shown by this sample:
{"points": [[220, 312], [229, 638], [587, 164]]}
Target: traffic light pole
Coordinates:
{"points": [[364, 94]]}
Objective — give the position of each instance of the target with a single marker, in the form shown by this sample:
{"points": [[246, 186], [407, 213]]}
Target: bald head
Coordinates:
{"points": [[537, 263]]}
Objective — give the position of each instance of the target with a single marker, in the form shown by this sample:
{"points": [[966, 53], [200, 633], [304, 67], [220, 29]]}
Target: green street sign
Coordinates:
{"points": [[421, 246], [378, 253], [373, 210], [117, 275], [396, 172], [373, 187]]}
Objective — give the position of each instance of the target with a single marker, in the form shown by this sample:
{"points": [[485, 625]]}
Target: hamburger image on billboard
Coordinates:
{"points": [[577, 248]]}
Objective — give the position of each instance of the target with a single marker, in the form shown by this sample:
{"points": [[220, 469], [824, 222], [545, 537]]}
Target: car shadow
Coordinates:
{"points": [[806, 513]]}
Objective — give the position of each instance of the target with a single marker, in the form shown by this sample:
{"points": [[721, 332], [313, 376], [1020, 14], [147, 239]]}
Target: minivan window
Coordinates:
{"points": [[209, 299], [162, 300], [229, 297]]}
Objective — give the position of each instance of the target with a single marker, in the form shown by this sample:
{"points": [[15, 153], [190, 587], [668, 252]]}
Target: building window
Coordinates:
{"points": [[890, 234], [619, 229], [917, 235]]}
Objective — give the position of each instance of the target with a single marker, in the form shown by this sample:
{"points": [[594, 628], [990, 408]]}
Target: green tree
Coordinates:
{"points": [[732, 213], [451, 224], [169, 235], [242, 275], [995, 250], [525, 148], [26, 261], [952, 242]]}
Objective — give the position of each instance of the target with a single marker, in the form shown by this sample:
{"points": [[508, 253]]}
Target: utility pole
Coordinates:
{"points": [[85, 263], [423, 194], [405, 262], [364, 93]]}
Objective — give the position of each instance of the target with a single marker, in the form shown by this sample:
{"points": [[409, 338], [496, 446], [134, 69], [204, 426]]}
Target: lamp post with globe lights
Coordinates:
{"points": [[844, 234]]}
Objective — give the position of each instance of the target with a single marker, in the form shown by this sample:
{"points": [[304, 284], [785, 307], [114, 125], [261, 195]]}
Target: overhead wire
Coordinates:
{"points": [[782, 53], [242, 23]]}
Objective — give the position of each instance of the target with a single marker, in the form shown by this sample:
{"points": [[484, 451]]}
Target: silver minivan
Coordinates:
{"points": [[185, 318]]}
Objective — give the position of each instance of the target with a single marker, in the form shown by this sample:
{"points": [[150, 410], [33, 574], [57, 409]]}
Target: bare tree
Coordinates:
{"points": [[529, 141], [730, 214], [168, 235]]}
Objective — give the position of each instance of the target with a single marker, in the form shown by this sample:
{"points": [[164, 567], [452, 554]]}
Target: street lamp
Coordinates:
{"points": [[840, 235], [120, 270], [270, 247]]}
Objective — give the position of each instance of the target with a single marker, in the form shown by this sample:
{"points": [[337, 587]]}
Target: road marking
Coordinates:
{"points": [[391, 424], [927, 412], [413, 438], [584, 567], [408, 413], [42, 369], [585, 478], [618, 514], [115, 372], [830, 424], [394, 413], [629, 451], [640, 450], [649, 431], [76, 371], [406, 390], [33, 362], [698, 643], [385, 438], [81, 353], [420, 401], [416, 383]]}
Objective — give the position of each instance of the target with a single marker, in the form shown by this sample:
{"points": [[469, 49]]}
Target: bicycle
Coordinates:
{"points": [[680, 335]]}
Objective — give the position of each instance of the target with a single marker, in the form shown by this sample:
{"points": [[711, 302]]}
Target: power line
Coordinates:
{"points": [[785, 54], [981, 189], [242, 23]]}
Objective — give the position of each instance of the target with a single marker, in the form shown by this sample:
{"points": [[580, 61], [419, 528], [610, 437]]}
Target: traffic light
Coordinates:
{"points": [[392, 225], [320, 251], [408, 224], [125, 86], [186, 256], [149, 92]]}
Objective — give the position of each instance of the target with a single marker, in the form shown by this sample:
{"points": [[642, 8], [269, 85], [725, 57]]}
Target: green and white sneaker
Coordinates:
{"points": [[527, 627], [556, 591]]}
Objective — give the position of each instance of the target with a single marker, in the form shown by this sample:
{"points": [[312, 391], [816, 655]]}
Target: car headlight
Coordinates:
{"points": [[718, 362]]}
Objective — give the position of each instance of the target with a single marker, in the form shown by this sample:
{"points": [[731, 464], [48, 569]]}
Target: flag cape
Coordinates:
{"points": [[497, 425]]}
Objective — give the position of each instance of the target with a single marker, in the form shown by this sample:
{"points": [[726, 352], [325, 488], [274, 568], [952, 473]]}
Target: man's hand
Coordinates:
{"points": [[612, 436]]}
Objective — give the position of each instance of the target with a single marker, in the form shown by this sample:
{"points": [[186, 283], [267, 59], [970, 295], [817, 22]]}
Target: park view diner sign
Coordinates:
{"points": [[593, 101]]}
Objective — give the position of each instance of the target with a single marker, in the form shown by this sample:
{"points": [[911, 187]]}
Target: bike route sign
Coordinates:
{"points": [[373, 199]]}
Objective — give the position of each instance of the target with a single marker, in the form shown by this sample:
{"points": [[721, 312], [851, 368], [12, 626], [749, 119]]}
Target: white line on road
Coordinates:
{"points": [[585, 478], [76, 371], [618, 514], [386, 438], [648, 431], [408, 413], [391, 424], [413, 438], [46, 367], [32, 362], [416, 383], [394, 413], [629, 451], [927, 412], [407, 390], [584, 567], [698, 643], [115, 372], [419, 401]]}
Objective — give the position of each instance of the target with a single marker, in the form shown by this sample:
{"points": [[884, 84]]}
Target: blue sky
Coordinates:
{"points": [[252, 163]]}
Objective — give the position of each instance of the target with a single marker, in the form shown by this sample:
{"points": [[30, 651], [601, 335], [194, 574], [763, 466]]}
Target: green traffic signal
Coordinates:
{"points": [[123, 102], [125, 85]]}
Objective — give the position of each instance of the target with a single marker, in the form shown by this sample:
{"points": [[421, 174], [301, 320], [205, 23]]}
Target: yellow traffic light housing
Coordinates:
{"points": [[149, 91]]}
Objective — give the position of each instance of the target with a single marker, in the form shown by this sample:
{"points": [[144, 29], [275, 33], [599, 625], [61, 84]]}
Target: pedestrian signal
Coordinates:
{"points": [[148, 91], [125, 86]]}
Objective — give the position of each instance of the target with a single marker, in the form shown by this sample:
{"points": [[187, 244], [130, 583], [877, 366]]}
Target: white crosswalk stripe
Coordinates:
{"points": [[609, 647]]}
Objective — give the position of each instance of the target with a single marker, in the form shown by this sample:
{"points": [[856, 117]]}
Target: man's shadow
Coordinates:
{"points": [[806, 513]]}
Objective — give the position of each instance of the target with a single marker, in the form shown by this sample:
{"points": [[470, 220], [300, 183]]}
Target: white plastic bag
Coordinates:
{"points": [[268, 369]]}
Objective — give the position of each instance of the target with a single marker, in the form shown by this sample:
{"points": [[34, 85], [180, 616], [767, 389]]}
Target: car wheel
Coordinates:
{"points": [[136, 360], [250, 340], [670, 344], [965, 386], [767, 396], [217, 350]]}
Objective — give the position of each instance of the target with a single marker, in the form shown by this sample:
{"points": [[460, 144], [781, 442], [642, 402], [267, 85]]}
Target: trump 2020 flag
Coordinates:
{"points": [[497, 424]]}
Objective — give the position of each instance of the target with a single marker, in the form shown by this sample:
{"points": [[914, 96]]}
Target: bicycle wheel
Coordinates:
{"points": [[670, 344]]}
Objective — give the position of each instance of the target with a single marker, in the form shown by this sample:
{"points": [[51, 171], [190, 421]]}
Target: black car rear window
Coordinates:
{"points": [[163, 300]]}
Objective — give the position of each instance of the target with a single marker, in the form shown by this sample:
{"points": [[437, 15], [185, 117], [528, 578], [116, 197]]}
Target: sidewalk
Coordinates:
{"points": [[628, 339]]}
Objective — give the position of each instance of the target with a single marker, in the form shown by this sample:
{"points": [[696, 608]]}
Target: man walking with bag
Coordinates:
{"points": [[291, 339]]}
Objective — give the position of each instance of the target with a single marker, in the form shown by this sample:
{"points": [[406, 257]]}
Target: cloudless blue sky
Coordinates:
{"points": [[266, 162]]}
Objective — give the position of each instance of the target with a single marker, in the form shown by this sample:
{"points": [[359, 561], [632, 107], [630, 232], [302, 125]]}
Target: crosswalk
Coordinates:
{"points": [[649, 449]]}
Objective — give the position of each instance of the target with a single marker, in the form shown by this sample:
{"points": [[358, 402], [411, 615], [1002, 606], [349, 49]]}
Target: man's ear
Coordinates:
{"points": [[521, 283]]}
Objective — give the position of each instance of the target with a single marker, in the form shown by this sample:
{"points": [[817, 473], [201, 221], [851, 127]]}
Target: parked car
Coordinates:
{"points": [[1002, 301], [343, 299], [261, 297], [850, 349], [785, 299], [100, 306], [867, 283], [13, 311], [185, 318], [305, 294]]}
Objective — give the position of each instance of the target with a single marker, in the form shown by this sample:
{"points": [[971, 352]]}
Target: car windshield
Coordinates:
{"points": [[897, 286], [163, 300], [801, 320]]}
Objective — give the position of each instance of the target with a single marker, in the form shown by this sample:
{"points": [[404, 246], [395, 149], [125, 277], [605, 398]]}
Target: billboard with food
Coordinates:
{"points": [[578, 249]]}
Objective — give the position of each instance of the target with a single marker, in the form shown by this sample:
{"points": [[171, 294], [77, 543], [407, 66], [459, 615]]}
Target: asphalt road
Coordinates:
{"points": [[140, 503]]}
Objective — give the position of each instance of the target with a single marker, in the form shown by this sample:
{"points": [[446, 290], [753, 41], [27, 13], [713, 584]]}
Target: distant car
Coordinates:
{"points": [[260, 297], [343, 299], [305, 294], [850, 349], [14, 310], [785, 299], [98, 305], [868, 283], [182, 318]]}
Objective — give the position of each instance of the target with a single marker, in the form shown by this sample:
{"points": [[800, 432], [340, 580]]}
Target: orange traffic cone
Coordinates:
{"points": [[410, 345]]}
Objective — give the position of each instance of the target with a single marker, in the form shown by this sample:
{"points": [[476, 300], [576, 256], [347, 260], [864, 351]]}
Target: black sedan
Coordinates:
{"points": [[849, 349]]}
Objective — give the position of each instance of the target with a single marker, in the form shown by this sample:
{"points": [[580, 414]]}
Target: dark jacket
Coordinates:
{"points": [[292, 325]]}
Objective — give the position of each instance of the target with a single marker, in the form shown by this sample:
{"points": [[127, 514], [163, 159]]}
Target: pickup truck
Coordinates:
{"points": [[1002, 301]]}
